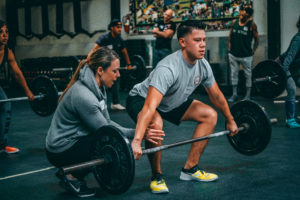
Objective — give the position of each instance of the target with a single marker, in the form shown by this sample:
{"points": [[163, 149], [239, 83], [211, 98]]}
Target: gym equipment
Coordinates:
{"points": [[269, 79], [45, 94]]}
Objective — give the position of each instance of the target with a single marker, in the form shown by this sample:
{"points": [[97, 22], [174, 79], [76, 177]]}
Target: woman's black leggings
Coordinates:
{"points": [[80, 152]]}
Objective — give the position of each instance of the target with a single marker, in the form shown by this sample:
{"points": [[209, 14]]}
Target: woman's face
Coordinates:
{"points": [[110, 75], [3, 35]]}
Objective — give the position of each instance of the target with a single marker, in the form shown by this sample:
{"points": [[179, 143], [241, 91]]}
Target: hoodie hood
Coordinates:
{"points": [[87, 78]]}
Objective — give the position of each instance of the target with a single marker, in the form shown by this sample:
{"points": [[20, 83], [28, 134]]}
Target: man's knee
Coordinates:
{"points": [[212, 117], [156, 123], [208, 115]]}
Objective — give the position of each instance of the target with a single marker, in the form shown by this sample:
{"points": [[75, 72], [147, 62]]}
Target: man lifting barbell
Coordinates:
{"points": [[165, 95], [7, 56], [81, 111]]}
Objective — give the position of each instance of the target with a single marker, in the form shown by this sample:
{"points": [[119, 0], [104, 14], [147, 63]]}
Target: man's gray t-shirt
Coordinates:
{"points": [[176, 80]]}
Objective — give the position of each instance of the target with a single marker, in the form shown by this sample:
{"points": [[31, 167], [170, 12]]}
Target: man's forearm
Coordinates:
{"points": [[143, 122], [221, 104]]}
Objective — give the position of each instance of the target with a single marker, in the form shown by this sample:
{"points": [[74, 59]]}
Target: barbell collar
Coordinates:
{"points": [[84, 165]]}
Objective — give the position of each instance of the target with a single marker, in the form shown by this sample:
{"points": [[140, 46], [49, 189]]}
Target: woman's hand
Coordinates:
{"points": [[154, 135]]}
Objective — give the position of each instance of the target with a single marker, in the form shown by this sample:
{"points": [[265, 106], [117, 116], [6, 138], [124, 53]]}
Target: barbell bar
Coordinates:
{"points": [[282, 101], [40, 96], [21, 98], [113, 161]]}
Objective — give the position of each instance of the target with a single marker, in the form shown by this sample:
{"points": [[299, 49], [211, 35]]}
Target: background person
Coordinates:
{"points": [[241, 34], [7, 56], [163, 31], [114, 41], [287, 59]]}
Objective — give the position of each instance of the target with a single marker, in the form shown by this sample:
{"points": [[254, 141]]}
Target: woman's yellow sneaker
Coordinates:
{"points": [[158, 184], [195, 174]]}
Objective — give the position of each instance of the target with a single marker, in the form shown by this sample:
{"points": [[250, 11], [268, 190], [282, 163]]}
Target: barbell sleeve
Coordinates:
{"points": [[263, 79], [267, 78], [282, 101]]}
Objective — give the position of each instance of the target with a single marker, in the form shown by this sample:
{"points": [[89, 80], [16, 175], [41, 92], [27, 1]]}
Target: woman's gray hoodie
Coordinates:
{"points": [[82, 111]]}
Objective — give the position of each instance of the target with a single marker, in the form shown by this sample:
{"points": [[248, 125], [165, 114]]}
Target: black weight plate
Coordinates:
{"points": [[269, 89], [139, 74], [47, 105], [116, 176], [258, 136]]}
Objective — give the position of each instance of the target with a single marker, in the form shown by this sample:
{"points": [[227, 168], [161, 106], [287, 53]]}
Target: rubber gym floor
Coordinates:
{"points": [[272, 174]]}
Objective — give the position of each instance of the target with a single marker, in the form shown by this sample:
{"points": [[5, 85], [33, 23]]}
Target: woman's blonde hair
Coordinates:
{"points": [[101, 57]]}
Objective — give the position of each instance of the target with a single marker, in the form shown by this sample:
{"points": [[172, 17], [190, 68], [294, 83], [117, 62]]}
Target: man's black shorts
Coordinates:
{"points": [[135, 104]]}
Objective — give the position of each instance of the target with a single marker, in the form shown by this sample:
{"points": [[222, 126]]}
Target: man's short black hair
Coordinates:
{"points": [[187, 26], [249, 11], [113, 23]]}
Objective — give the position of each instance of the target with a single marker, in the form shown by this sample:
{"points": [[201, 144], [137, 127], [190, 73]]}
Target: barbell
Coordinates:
{"points": [[113, 162], [269, 78], [45, 94]]}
